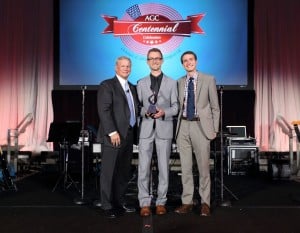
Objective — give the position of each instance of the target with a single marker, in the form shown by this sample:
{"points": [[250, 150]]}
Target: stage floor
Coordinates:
{"points": [[263, 205]]}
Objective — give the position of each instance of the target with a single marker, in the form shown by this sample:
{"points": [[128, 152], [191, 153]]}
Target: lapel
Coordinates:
{"points": [[119, 88], [133, 92], [148, 84], [199, 86], [163, 85], [147, 87], [181, 87]]}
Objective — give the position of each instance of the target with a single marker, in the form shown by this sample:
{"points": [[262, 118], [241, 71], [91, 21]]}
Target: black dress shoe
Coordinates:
{"points": [[126, 208], [110, 213]]}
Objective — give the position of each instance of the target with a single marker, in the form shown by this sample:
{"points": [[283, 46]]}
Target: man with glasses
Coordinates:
{"points": [[157, 94]]}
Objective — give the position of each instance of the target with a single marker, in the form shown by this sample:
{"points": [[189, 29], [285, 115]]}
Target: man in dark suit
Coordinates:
{"points": [[117, 108]]}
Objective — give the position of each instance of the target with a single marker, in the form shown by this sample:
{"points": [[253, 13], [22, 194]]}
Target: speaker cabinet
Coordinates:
{"points": [[242, 160]]}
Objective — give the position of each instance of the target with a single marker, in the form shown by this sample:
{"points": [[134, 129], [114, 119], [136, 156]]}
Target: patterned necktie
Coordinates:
{"points": [[130, 104], [190, 109]]}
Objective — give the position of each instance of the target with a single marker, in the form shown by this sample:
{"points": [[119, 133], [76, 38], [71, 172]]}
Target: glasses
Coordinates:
{"points": [[154, 59]]}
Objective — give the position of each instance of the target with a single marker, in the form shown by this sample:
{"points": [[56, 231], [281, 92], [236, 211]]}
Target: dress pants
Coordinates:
{"points": [[115, 172], [163, 151], [192, 140]]}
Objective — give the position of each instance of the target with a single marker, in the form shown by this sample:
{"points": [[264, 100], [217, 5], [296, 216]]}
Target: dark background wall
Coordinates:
{"points": [[238, 107]]}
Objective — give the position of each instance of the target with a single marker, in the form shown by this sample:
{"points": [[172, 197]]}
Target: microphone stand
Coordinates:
{"points": [[225, 203], [84, 134]]}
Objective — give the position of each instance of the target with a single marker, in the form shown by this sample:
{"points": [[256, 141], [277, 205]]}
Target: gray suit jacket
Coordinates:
{"points": [[167, 100], [207, 104]]}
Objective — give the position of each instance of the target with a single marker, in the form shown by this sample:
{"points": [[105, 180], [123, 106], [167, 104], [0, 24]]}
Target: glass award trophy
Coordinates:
{"points": [[152, 107]]}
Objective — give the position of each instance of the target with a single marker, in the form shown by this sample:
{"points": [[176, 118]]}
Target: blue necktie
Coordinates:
{"points": [[190, 109], [130, 104]]}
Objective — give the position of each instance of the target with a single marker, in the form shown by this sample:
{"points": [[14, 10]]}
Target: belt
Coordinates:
{"points": [[193, 119]]}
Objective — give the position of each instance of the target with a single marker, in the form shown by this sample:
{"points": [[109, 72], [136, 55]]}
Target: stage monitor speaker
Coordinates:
{"points": [[242, 160]]}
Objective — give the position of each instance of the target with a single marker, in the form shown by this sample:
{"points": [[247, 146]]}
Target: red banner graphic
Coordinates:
{"points": [[167, 28]]}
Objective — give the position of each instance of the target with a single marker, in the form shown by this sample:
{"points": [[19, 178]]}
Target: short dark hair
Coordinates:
{"points": [[188, 52], [154, 50]]}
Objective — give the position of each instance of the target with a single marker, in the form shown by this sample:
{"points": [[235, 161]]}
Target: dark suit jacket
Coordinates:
{"points": [[113, 110]]}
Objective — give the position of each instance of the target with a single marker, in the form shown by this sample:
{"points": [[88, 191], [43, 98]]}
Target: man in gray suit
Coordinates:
{"points": [[158, 96], [198, 124]]}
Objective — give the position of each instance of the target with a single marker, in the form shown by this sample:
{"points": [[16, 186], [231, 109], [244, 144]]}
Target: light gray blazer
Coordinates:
{"points": [[207, 104], [167, 99]]}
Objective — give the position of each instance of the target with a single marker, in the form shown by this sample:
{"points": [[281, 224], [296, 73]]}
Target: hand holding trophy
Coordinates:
{"points": [[152, 107]]}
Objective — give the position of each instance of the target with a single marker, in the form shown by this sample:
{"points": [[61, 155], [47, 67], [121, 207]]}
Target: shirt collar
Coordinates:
{"points": [[122, 81], [195, 75]]}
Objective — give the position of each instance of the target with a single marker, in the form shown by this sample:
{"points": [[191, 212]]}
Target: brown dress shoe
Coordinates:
{"points": [[161, 210], [184, 209], [145, 211], [205, 210]]}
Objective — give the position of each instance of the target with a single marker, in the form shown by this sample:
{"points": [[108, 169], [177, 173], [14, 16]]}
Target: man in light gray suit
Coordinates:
{"points": [[198, 124], [158, 96]]}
